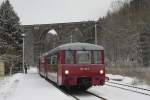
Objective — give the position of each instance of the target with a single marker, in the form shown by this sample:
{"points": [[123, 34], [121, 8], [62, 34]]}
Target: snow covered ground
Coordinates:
{"points": [[32, 87], [29, 87], [128, 81], [112, 93]]}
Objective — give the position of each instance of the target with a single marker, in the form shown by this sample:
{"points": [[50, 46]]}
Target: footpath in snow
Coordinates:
{"points": [[30, 87]]}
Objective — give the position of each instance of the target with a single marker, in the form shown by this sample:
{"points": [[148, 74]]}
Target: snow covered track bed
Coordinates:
{"points": [[63, 91], [129, 88], [86, 95], [79, 95], [120, 87], [129, 84], [112, 93], [102, 98]]}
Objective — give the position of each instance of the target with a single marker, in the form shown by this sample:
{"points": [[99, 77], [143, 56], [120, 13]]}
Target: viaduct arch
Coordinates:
{"points": [[36, 35]]}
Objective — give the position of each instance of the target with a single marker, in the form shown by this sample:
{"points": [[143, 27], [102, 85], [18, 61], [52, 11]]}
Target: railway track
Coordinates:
{"points": [[129, 88], [63, 90], [69, 93], [83, 94], [95, 95]]}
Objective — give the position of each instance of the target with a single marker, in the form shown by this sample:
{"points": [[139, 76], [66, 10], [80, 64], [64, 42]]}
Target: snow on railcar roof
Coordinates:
{"points": [[80, 46], [77, 46]]}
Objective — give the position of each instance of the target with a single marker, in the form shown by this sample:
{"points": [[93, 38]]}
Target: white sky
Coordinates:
{"points": [[59, 11]]}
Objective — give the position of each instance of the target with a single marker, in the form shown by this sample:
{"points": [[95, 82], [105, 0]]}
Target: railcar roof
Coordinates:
{"points": [[77, 46]]}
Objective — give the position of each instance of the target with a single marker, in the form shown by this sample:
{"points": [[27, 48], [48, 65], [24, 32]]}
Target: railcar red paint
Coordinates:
{"points": [[79, 65]]}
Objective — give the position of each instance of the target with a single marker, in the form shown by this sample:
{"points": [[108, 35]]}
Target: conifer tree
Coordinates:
{"points": [[10, 28]]}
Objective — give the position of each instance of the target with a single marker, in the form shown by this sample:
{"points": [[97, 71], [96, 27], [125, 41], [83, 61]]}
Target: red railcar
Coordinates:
{"points": [[74, 65]]}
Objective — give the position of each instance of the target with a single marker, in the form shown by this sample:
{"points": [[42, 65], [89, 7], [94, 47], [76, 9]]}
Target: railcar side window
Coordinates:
{"points": [[54, 59], [97, 57], [49, 59], [83, 57], [69, 57]]}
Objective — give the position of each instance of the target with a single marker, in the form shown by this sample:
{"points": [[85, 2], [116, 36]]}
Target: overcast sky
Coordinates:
{"points": [[59, 11]]}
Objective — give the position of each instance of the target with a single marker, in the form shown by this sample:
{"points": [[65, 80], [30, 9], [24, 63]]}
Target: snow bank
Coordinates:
{"points": [[127, 80], [115, 77], [122, 79], [7, 86], [29, 87]]}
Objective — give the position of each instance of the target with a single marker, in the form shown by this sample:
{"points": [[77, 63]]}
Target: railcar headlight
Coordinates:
{"points": [[66, 72], [101, 71]]}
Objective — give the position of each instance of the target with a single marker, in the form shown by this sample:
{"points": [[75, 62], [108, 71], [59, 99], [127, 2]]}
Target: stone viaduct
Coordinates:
{"points": [[36, 35]]}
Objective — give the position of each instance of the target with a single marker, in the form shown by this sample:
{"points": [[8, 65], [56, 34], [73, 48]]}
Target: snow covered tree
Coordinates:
{"points": [[10, 29], [126, 34]]}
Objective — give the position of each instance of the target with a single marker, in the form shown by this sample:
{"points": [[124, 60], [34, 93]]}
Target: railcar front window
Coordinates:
{"points": [[97, 57], [69, 57], [83, 57]]}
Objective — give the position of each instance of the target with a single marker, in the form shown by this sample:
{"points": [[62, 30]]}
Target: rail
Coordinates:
{"points": [[129, 86], [115, 85], [95, 95]]}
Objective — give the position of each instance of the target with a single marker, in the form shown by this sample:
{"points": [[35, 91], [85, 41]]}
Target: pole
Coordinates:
{"points": [[23, 56], [23, 36], [71, 38], [95, 33]]}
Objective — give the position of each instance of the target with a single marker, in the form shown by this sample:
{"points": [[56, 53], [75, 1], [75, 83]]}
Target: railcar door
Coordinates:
{"points": [[42, 66], [53, 67]]}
